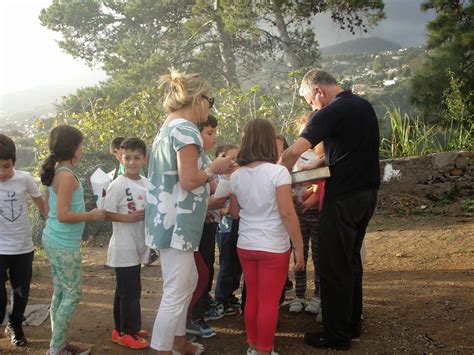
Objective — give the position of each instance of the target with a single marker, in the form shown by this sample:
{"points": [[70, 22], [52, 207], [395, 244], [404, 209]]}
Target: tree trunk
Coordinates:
{"points": [[225, 49], [293, 61]]}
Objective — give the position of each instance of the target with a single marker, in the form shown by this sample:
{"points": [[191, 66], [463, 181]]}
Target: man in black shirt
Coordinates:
{"points": [[348, 126]]}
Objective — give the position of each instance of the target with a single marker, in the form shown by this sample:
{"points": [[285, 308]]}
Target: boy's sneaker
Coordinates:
{"points": [[296, 305], [314, 306], [192, 328], [215, 313], [133, 341], [229, 310], [116, 335], [233, 301], [204, 328], [15, 332], [254, 352]]}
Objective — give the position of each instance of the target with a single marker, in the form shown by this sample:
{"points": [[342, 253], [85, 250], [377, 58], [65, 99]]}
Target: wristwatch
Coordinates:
{"points": [[209, 173]]}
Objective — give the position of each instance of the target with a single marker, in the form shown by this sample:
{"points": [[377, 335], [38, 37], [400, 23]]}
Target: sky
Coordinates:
{"points": [[30, 56]]}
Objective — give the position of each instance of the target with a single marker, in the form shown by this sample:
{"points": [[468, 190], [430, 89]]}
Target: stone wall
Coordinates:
{"points": [[431, 176]]}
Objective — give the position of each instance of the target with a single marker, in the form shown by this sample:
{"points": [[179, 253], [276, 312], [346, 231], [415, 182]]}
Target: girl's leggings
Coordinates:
{"points": [[264, 274], [67, 290], [309, 224]]}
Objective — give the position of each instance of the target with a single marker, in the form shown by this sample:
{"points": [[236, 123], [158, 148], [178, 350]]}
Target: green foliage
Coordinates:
{"points": [[468, 204], [450, 44], [445, 198], [459, 117], [409, 136], [226, 41], [139, 115]]}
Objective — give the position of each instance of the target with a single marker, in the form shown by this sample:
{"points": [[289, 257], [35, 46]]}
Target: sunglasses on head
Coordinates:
{"points": [[209, 99]]}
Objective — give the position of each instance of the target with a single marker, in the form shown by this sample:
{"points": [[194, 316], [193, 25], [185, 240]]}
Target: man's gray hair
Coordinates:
{"points": [[315, 77]]}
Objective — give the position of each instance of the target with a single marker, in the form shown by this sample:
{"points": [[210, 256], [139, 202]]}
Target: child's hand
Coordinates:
{"points": [[216, 203], [137, 216], [97, 214], [298, 258], [222, 165]]}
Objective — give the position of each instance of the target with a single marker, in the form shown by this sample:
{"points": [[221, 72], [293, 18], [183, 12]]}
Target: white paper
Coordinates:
{"points": [[111, 174], [100, 181], [138, 194], [223, 189]]}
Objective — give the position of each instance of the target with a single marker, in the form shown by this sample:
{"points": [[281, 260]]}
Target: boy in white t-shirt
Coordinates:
{"points": [[124, 204], [16, 244]]}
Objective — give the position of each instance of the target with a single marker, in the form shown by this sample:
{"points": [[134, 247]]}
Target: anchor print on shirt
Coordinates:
{"points": [[8, 210]]}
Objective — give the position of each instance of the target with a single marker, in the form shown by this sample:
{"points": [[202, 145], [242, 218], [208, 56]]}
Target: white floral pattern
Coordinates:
{"points": [[174, 217]]}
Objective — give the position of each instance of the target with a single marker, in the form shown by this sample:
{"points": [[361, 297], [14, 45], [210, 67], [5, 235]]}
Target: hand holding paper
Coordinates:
{"points": [[100, 181]]}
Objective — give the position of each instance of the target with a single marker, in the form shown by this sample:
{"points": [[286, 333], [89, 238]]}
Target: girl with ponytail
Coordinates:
{"points": [[179, 172], [63, 232]]}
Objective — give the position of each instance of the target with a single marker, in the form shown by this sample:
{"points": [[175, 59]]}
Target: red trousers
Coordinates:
{"points": [[203, 277], [264, 274]]}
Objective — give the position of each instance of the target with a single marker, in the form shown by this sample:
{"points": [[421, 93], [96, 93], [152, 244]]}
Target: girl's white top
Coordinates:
{"points": [[260, 227]]}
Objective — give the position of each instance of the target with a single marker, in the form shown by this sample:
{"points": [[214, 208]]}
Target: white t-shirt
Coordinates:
{"points": [[15, 230], [260, 226], [127, 244]]}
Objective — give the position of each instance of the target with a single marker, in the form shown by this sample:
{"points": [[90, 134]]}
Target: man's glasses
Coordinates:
{"points": [[210, 100]]}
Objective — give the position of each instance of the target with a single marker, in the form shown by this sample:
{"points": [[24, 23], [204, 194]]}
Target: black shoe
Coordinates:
{"points": [[319, 340], [15, 332]]}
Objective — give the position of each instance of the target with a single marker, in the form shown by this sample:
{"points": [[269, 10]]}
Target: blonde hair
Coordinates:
{"points": [[182, 89], [319, 149], [315, 77], [302, 121]]}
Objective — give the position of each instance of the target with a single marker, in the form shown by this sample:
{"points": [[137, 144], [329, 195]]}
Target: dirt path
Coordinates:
{"points": [[418, 285]]}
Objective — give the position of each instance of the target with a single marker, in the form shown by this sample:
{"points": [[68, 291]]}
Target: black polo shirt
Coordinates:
{"points": [[350, 131]]}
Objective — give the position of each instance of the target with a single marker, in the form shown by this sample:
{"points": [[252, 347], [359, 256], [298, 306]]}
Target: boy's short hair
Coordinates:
{"points": [[134, 143], [211, 121], [115, 144], [225, 147], [7, 148]]}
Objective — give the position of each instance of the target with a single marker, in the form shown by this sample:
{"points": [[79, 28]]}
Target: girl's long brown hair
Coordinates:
{"points": [[258, 143]]}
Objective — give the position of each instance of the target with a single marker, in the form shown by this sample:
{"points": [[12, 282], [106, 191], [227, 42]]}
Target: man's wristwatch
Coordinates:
{"points": [[209, 173]]}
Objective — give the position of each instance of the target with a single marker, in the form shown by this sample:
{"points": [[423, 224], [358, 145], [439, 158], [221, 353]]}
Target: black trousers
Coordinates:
{"points": [[127, 312], [207, 248], [342, 230], [17, 268]]}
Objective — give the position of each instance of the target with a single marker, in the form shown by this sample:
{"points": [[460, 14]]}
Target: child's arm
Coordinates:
{"points": [[291, 223], [42, 205], [317, 163], [234, 207], [66, 184], [135, 216], [311, 198]]}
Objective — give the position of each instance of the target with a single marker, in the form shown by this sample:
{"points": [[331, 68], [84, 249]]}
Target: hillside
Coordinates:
{"points": [[361, 45]]}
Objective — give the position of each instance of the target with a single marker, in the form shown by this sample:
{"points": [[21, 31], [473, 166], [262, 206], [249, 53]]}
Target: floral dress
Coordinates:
{"points": [[174, 217]]}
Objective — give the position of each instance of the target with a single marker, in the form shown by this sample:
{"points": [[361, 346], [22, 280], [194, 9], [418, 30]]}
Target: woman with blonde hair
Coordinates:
{"points": [[179, 173]]}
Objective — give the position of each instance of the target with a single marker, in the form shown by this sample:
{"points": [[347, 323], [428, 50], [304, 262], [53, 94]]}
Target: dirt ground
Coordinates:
{"points": [[418, 295]]}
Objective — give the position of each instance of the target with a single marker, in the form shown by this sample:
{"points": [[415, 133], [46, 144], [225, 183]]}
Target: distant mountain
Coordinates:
{"points": [[27, 104], [361, 45]]}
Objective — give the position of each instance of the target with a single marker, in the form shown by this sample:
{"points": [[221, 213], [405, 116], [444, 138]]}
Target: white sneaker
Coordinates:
{"points": [[314, 306], [296, 305], [254, 352]]}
